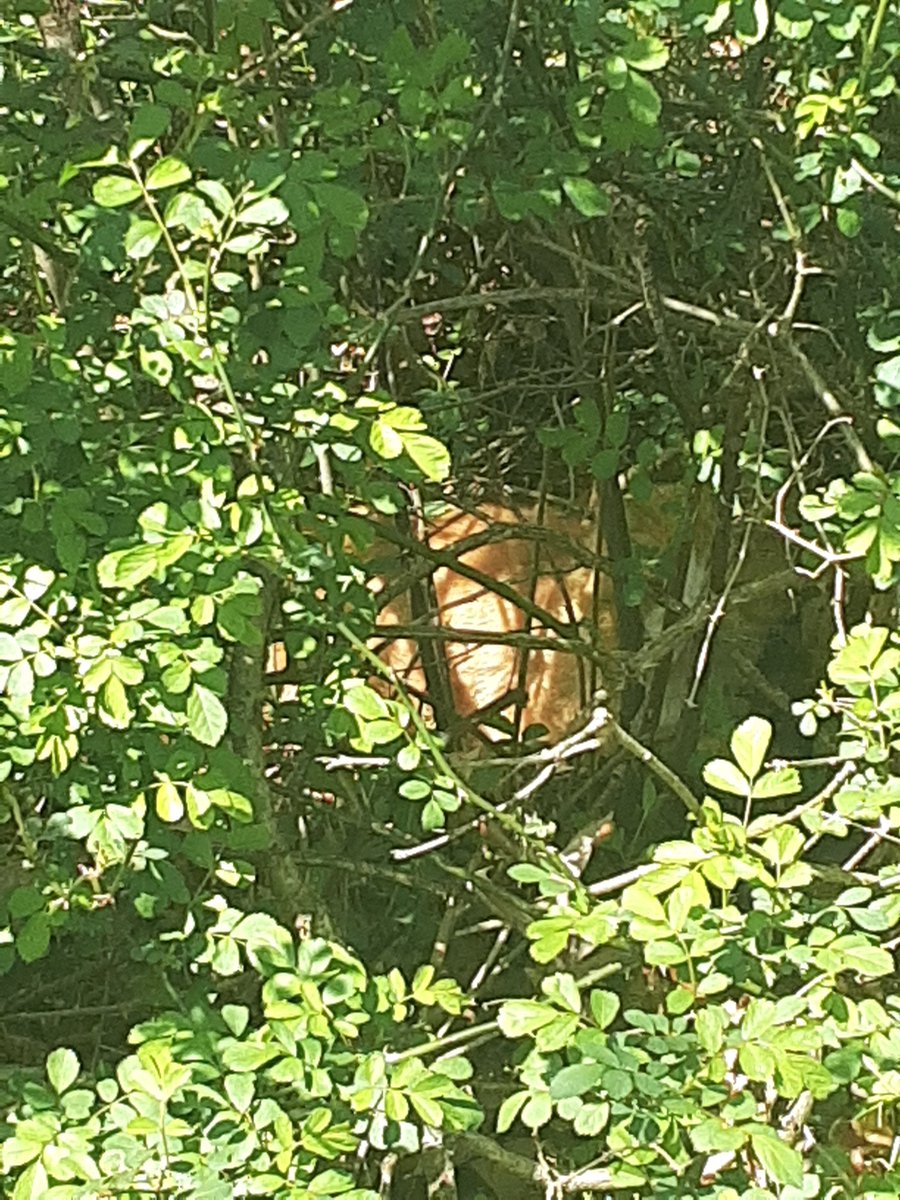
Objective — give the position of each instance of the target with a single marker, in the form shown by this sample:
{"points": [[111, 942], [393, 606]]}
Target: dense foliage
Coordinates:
{"points": [[275, 274]]}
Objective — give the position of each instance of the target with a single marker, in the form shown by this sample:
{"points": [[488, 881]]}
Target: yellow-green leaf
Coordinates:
{"points": [[142, 239], [724, 775], [749, 744], [114, 707], [128, 568], [113, 191], [430, 456], [168, 172], [207, 719], [169, 806]]}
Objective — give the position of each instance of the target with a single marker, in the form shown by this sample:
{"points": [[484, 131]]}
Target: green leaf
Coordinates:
{"points": [[218, 194], [868, 145], [268, 211], [169, 805], [576, 1080], [849, 221], [591, 1119], [168, 172], [605, 464], [23, 901], [156, 364], [537, 1111], [646, 54], [142, 239], [16, 360], [403, 417], [604, 1007], [749, 744], [244, 244], [346, 207], [207, 718], [714, 1135], [643, 903], [62, 1069], [415, 789], [20, 681], [363, 701], [618, 1085], [177, 678], [861, 957], [385, 440], [240, 1090], [114, 707], [529, 873], [783, 782], [186, 210], [203, 610], [128, 568], [226, 960], [615, 433], [432, 816], [722, 774], [33, 939], [129, 670], [430, 456], [238, 806], [781, 1162], [509, 1110], [409, 757], [643, 100], [792, 21], [33, 1184], [10, 650], [520, 1017], [149, 123], [586, 196], [113, 191]]}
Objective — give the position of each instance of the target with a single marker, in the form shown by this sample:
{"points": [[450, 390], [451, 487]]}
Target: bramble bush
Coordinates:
{"points": [[268, 269]]}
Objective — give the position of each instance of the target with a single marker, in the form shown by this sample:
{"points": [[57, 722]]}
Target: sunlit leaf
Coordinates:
{"points": [[168, 804], [723, 774], [142, 239], [207, 718], [509, 1110], [781, 1162], [113, 191], [646, 53], [62, 1069], [128, 568], [168, 172], [430, 456], [268, 211], [749, 744]]}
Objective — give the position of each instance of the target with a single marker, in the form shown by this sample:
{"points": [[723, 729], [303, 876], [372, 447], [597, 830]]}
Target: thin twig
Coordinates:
{"points": [[874, 182], [663, 773]]}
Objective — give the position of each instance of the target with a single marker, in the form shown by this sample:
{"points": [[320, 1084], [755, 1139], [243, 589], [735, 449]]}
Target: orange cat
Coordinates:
{"points": [[549, 591], [514, 623]]}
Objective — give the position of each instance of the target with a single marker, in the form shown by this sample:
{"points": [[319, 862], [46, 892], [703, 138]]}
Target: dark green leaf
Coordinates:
{"points": [[33, 939]]}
